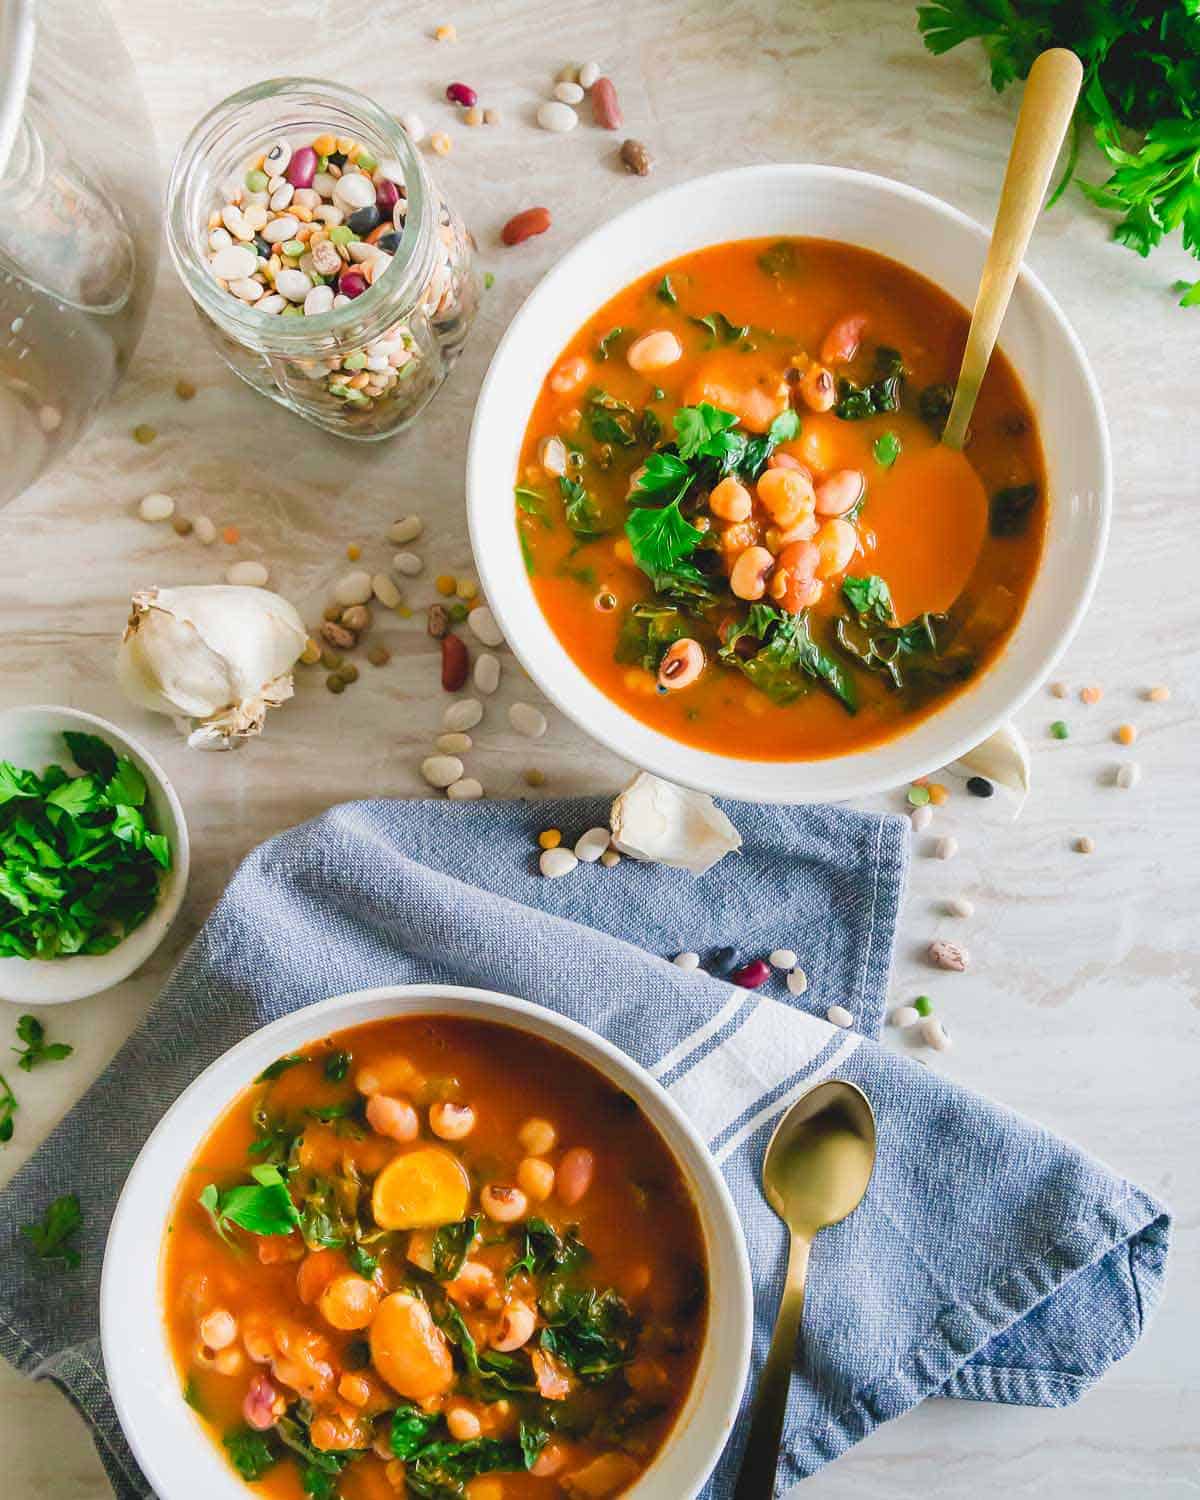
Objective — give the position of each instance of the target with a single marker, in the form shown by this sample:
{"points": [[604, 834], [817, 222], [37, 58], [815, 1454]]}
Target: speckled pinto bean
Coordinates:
{"points": [[525, 225]]}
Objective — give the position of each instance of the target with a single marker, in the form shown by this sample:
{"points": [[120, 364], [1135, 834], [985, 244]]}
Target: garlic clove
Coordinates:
{"points": [[1003, 758], [655, 820]]}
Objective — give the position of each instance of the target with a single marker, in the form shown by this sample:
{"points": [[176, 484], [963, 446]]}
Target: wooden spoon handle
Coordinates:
{"points": [[756, 1478], [1050, 94]]}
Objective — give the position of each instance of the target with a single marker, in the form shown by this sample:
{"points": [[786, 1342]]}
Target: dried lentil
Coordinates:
{"points": [[918, 796], [550, 838], [143, 433], [1085, 845], [379, 656], [1059, 730], [444, 583], [185, 390], [938, 794], [1126, 734], [534, 777], [181, 525], [1091, 694], [923, 1005]]}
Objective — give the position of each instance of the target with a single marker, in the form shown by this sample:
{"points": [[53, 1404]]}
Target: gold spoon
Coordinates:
{"points": [[815, 1172], [1046, 109]]}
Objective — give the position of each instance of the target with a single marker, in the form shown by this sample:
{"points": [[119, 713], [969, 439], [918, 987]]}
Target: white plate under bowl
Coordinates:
{"points": [[31, 738], [178, 1456], [859, 209]]}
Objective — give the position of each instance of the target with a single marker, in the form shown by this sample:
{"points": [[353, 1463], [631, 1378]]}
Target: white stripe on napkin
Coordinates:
{"points": [[777, 1106], [773, 1043], [737, 998]]}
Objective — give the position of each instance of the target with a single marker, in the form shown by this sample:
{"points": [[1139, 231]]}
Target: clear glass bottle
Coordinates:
{"points": [[403, 333]]}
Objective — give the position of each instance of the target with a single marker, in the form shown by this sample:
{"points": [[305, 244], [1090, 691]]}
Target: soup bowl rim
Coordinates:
{"points": [[177, 1455], [932, 741]]}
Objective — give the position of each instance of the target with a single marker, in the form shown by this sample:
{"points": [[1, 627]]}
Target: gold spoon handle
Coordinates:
{"points": [[756, 1478], [1050, 94]]}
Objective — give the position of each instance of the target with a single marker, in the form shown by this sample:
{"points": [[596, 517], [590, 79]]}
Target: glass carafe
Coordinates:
{"points": [[78, 235]]}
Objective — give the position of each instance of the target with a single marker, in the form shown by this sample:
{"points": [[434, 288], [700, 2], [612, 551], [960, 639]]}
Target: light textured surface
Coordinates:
{"points": [[1081, 1004]]}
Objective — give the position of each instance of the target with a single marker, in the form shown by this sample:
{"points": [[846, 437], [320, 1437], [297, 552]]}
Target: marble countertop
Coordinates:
{"points": [[1082, 1005]]}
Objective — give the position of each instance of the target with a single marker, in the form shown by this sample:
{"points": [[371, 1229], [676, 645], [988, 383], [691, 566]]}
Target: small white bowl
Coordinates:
{"points": [[826, 203], [31, 738], [178, 1456]]}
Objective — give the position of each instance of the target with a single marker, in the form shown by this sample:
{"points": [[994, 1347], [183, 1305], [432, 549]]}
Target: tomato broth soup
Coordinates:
{"points": [[435, 1257], [737, 515]]}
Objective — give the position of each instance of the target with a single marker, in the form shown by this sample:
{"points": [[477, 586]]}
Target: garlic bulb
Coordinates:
{"points": [[655, 820], [213, 653]]}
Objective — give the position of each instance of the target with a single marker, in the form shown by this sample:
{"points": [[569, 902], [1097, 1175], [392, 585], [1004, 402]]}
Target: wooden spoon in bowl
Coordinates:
{"points": [[1046, 109]]}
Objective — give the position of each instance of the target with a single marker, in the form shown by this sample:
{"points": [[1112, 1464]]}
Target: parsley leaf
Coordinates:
{"points": [[91, 754], [8, 1108], [61, 1220], [662, 474], [665, 292], [700, 430], [886, 449], [37, 1050], [582, 511], [662, 541], [869, 597], [250, 1453], [265, 1209]]}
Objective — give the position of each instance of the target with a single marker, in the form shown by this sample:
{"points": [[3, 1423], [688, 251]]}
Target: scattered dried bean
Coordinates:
{"points": [[455, 663]]}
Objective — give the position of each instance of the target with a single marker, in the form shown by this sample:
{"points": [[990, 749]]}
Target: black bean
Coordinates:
{"points": [[262, 247], [389, 242], [721, 960], [363, 220], [336, 158], [980, 786]]}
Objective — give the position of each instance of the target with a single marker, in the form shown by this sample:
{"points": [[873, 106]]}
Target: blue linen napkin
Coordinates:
{"points": [[990, 1260]]}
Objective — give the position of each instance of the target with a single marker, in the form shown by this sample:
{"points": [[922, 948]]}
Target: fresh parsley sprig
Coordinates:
{"points": [[266, 1208], [37, 1049], [61, 1221], [1141, 62]]}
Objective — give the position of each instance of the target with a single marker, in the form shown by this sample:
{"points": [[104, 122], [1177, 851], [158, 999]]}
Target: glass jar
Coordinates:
{"points": [[363, 369]]}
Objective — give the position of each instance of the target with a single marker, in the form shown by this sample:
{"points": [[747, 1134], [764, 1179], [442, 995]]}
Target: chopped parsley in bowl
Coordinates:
{"points": [[93, 854]]}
